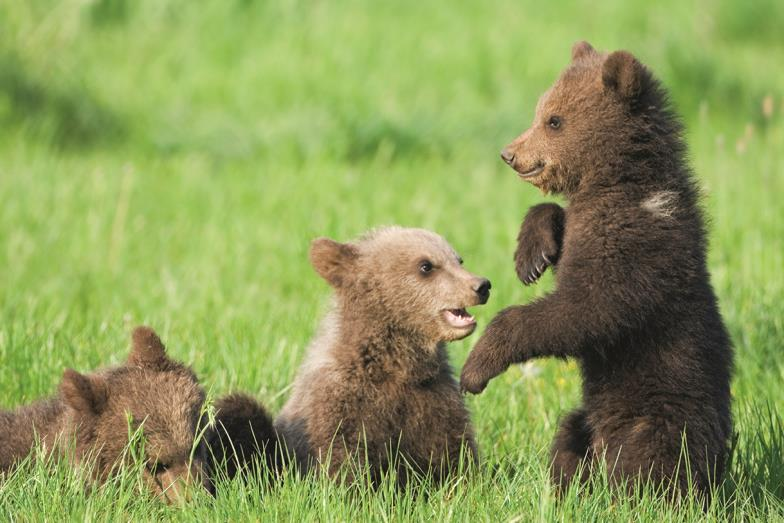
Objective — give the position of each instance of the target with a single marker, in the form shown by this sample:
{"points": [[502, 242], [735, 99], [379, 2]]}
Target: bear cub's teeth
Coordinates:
{"points": [[459, 317]]}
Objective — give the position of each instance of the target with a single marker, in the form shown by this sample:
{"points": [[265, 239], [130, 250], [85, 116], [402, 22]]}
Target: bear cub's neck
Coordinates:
{"points": [[382, 350], [648, 156]]}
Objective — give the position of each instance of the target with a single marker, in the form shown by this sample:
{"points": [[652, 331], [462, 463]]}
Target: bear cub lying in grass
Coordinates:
{"points": [[633, 301], [376, 388], [88, 419]]}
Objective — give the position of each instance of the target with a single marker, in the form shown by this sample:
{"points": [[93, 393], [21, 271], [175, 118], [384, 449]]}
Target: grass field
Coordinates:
{"points": [[168, 162]]}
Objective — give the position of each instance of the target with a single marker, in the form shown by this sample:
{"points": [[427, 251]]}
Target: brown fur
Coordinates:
{"points": [[376, 387], [633, 301], [539, 241], [243, 437], [88, 419]]}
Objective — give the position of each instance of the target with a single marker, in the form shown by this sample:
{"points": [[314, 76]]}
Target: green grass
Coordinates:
{"points": [[168, 162]]}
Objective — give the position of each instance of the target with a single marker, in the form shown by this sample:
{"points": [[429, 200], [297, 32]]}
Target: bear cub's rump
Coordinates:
{"points": [[376, 388], [242, 440]]}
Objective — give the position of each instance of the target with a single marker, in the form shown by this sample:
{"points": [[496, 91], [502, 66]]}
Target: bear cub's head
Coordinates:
{"points": [[152, 394], [411, 279], [585, 120]]}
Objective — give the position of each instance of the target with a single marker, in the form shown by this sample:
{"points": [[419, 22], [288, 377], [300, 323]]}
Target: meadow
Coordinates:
{"points": [[168, 162]]}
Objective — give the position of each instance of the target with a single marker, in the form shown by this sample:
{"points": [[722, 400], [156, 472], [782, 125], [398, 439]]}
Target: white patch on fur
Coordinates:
{"points": [[661, 204]]}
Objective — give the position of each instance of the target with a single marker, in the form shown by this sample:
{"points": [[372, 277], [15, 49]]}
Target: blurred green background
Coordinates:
{"points": [[169, 161]]}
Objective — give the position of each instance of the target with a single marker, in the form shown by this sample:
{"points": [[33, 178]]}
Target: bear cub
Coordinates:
{"points": [[633, 303], [376, 388], [88, 419]]}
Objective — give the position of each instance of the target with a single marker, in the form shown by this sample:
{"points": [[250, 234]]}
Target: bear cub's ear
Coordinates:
{"points": [[86, 394], [332, 260], [623, 74], [147, 351], [581, 49]]}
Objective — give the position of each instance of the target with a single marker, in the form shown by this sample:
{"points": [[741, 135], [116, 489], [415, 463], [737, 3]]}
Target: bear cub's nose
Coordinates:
{"points": [[507, 156], [482, 288]]}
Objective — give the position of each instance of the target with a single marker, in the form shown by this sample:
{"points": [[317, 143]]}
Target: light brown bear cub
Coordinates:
{"points": [[89, 416], [376, 388]]}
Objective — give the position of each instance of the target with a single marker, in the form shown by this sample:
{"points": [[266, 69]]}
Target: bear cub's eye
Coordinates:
{"points": [[554, 122], [157, 467], [425, 267]]}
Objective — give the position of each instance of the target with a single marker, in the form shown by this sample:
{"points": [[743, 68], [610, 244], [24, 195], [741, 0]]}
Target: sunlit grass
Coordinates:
{"points": [[168, 163]]}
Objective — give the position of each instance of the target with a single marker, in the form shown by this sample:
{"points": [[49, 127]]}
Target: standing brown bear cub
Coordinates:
{"points": [[89, 417], [376, 388], [633, 301]]}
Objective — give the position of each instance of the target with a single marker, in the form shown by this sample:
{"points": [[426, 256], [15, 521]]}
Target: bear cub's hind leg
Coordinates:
{"points": [[570, 451], [539, 241]]}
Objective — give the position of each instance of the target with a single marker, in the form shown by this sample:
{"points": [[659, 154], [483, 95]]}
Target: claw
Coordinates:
{"points": [[547, 258]]}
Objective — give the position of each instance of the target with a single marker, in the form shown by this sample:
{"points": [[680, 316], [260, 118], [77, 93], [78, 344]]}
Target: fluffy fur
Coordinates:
{"points": [[88, 418], [242, 438], [633, 301], [376, 387]]}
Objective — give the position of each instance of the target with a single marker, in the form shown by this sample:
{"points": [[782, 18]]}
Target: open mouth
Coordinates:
{"points": [[538, 168], [459, 318]]}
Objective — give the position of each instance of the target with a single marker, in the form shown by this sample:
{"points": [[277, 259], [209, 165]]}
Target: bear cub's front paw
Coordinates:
{"points": [[539, 241], [473, 377], [491, 355]]}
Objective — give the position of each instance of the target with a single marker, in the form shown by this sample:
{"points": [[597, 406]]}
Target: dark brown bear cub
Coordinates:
{"points": [[376, 388], [633, 301], [90, 415]]}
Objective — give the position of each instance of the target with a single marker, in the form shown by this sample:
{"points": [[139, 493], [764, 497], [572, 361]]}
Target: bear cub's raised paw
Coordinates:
{"points": [[539, 241]]}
